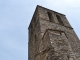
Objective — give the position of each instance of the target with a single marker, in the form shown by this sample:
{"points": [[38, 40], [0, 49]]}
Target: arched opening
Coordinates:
{"points": [[59, 19], [50, 17]]}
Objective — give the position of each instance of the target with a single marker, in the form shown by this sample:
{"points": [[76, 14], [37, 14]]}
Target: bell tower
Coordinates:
{"points": [[51, 37]]}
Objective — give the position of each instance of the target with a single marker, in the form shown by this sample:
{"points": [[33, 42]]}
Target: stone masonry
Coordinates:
{"points": [[51, 37]]}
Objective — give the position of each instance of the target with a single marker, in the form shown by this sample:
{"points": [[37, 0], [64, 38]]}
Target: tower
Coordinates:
{"points": [[51, 37]]}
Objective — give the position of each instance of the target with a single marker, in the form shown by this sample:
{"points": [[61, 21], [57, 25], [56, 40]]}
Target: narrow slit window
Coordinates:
{"points": [[35, 39], [50, 17], [59, 19]]}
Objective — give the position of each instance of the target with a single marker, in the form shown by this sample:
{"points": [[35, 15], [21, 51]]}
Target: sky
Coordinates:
{"points": [[15, 17]]}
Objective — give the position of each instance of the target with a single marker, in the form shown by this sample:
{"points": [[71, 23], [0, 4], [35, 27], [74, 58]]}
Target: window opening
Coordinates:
{"points": [[59, 19], [50, 17]]}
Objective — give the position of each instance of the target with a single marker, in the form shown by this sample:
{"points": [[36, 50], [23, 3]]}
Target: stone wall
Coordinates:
{"points": [[51, 37]]}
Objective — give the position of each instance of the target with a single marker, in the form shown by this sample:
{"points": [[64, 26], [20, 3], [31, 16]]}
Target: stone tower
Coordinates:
{"points": [[51, 37]]}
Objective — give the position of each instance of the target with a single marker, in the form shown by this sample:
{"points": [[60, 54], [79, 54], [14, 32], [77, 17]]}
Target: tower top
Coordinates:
{"points": [[49, 9], [49, 15]]}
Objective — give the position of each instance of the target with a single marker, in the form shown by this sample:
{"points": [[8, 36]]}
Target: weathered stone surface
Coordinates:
{"points": [[51, 37]]}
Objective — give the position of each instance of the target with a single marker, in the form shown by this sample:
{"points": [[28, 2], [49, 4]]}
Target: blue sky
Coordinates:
{"points": [[15, 16]]}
